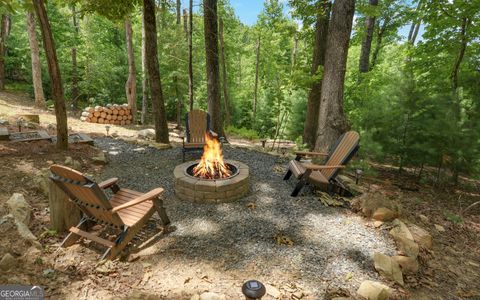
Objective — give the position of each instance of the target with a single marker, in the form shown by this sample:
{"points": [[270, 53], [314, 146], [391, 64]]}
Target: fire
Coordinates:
{"points": [[211, 166]]}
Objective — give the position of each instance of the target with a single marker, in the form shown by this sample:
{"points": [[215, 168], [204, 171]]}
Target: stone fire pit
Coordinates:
{"points": [[190, 188]]}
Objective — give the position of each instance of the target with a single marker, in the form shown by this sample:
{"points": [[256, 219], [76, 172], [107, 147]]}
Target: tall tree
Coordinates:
{"points": [[226, 101], [54, 72], [364, 63], [331, 119], [190, 54], [178, 94], [131, 84], [4, 32], [161, 127], [75, 92], [255, 88], [318, 61], [36, 65], [144, 77], [212, 68]]}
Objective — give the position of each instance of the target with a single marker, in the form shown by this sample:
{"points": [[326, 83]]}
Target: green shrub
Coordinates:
{"points": [[245, 133]]}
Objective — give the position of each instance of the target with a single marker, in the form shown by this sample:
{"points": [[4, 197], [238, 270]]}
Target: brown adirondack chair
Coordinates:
{"points": [[126, 210], [323, 176], [197, 124]]}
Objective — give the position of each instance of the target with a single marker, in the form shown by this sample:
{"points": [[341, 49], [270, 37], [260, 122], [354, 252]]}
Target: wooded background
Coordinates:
{"points": [[307, 76]]}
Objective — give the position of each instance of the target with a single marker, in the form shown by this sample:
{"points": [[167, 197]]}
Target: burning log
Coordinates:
{"points": [[212, 165]]}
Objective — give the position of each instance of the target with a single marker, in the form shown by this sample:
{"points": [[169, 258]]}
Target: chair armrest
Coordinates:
{"points": [[307, 153], [213, 134], [147, 196], [108, 183], [318, 167]]}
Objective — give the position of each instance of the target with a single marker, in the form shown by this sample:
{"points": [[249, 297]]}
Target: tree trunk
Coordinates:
{"points": [[255, 89], [412, 34], [224, 75], [63, 213], [161, 127], [4, 32], [54, 72], [364, 65], [294, 52], [175, 77], [378, 44], [313, 106], [74, 62], [144, 78], [190, 56], [185, 23], [131, 84], [213, 72], [331, 120], [36, 65]]}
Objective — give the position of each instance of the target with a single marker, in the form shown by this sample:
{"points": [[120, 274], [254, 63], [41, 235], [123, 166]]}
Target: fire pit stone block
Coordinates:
{"points": [[199, 190]]}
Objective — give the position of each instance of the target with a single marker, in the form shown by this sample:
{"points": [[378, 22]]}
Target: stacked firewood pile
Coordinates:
{"points": [[110, 114]]}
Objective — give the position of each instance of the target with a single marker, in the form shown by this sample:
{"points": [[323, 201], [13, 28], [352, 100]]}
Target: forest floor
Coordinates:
{"points": [[217, 247]]}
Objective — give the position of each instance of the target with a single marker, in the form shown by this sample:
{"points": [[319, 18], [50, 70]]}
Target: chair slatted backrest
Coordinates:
{"points": [[197, 124], [342, 151], [86, 194]]}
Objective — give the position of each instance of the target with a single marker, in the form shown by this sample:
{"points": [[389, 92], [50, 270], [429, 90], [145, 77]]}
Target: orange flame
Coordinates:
{"points": [[211, 166]]}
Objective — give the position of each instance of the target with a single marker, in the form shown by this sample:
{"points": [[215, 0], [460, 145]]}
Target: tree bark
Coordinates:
{"points": [[226, 100], [4, 32], [161, 127], [63, 212], [144, 78], [175, 77], [190, 56], [313, 105], [364, 64], [36, 65], [294, 53], [131, 84], [412, 34], [75, 92], [185, 23], [255, 89], [211, 60], [331, 120], [54, 72]]}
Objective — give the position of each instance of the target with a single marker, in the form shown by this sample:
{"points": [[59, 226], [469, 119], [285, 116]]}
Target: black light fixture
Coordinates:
{"points": [[253, 290]]}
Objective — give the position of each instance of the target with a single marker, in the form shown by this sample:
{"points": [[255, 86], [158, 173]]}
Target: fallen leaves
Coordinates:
{"points": [[282, 239]]}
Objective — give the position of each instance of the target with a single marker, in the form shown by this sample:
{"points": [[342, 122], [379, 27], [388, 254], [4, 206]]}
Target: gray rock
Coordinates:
{"points": [[139, 150], [388, 267], [19, 208], [9, 222], [372, 290], [7, 262], [146, 133], [4, 122], [41, 181], [100, 158]]}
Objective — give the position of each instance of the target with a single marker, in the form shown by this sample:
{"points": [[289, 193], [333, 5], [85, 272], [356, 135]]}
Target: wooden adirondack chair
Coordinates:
{"points": [[126, 210], [323, 176], [197, 123]]}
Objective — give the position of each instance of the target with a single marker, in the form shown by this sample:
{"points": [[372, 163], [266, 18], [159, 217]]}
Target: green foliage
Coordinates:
{"points": [[242, 132]]}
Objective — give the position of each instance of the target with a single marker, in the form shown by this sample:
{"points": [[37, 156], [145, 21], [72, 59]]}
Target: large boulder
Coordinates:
{"points": [[422, 237], [19, 208], [372, 290], [404, 239], [146, 133], [384, 214], [388, 267], [408, 264]]}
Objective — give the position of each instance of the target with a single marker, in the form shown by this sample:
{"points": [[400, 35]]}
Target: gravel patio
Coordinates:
{"points": [[217, 246]]}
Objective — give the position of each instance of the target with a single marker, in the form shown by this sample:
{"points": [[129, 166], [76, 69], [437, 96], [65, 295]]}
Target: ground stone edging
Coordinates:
{"points": [[409, 240]]}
